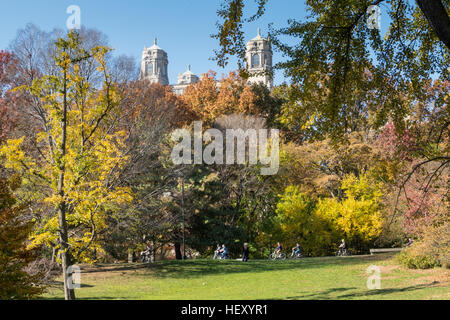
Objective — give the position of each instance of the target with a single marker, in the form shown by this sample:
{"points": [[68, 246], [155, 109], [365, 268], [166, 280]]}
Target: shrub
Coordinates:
{"points": [[432, 248], [421, 261]]}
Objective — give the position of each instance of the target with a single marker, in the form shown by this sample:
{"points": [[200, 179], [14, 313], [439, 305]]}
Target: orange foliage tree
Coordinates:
{"points": [[209, 98]]}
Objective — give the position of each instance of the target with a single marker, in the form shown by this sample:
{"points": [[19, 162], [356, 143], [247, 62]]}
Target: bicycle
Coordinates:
{"points": [[295, 256], [146, 257], [275, 256], [219, 256], [343, 253]]}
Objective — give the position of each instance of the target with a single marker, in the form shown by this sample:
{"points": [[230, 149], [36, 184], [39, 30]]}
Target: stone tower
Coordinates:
{"points": [[259, 60], [154, 65], [184, 81]]}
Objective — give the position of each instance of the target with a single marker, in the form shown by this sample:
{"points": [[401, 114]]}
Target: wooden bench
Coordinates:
{"points": [[372, 251]]}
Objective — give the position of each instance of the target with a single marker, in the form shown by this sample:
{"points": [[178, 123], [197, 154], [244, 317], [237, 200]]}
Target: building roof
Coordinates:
{"points": [[258, 37], [188, 71], [155, 45]]}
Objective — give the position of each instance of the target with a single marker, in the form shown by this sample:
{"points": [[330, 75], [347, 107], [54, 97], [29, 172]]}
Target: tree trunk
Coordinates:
{"points": [[53, 255], [69, 292], [130, 256], [178, 254], [434, 11]]}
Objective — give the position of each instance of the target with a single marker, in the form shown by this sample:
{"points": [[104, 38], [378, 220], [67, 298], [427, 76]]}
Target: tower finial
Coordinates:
{"points": [[189, 67], [259, 31], [155, 41]]}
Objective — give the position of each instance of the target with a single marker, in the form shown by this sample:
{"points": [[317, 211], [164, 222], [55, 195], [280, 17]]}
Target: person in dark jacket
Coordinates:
{"points": [[409, 243], [245, 252]]}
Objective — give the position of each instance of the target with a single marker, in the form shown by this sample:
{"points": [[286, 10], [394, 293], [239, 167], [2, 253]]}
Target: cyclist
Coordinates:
{"points": [[146, 254], [279, 249], [296, 251], [217, 252], [224, 251], [343, 247]]}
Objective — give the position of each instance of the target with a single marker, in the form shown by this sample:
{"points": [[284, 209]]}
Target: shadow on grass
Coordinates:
{"points": [[326, 295], [112, 267], [60, 284], [381, 292]]}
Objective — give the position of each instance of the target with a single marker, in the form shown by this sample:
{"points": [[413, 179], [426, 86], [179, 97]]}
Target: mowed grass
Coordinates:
{"points": [[308, 278]]}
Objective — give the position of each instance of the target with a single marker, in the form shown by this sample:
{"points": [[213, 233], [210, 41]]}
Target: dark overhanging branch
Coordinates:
{"points": [[436, 15]]}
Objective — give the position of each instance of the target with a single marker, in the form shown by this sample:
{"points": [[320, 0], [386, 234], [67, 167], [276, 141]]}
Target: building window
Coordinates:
{"points": [[255, 60], [150, 68]]}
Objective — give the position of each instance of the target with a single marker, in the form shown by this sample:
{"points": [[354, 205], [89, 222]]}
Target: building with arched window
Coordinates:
{"points": [[154, 65], [258, 58]]}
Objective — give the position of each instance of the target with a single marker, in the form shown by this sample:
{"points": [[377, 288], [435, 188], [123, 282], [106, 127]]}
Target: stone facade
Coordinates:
{"points": [[259, 60], [184, 80], [154, 65]]}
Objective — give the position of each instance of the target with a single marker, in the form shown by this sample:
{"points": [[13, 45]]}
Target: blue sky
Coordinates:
{"points": [[183, 27]]}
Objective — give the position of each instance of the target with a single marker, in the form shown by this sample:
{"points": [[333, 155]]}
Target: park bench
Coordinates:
{"points": [[372, 251]]}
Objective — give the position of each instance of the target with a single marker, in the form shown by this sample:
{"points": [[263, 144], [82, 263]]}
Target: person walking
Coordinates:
{"points": [[245, 252]]}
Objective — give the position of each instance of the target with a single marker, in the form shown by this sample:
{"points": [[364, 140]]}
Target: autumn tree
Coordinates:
{"points": [[241, 208], [34, 52], [344, 73], [319, 224], [150, 112], [79, 153], [297, 222], [209, 98], [337, 56], [349, 78], [8, 73]]}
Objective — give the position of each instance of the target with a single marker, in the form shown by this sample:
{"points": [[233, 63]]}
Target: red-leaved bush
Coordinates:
{"points": [[398, 144]]}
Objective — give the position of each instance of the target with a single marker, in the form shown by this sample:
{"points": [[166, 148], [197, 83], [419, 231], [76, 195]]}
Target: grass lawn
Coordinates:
{"points": [[308, 278]]}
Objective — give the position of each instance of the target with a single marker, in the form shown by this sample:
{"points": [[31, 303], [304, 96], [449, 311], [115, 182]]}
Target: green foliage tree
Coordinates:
{"points": [[15, 282], [212, 215]]}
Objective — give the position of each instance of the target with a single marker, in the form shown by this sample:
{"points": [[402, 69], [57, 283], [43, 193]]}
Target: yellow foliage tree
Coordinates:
{"points": [[298, 221], [80, 155], [358, 217], [318, 225]]}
